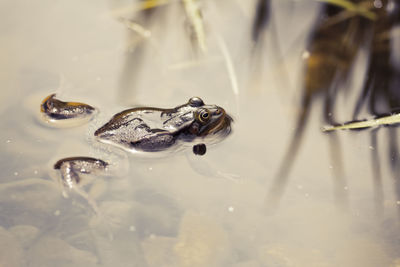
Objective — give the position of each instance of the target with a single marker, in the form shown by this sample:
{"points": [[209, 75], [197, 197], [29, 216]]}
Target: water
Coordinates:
{"points": [[182, 210]]}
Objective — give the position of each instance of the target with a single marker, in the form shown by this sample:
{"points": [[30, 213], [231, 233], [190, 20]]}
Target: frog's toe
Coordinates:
{"points": [[199, 149]]}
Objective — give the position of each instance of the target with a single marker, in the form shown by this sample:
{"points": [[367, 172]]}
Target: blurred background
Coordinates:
{"points": [[277, 192]]}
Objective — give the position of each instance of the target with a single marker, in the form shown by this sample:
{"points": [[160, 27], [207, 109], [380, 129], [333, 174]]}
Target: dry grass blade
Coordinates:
{"points": [[387, 120], [193, 12], [261, 19], [137, 7], [229, 66], [352, 7], [136, 27]]}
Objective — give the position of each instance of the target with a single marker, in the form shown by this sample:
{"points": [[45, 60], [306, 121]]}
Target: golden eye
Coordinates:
{"points": [[203, 116]]}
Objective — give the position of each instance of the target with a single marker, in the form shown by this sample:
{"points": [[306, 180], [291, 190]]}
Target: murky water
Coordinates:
{"points": [[182, 210]]}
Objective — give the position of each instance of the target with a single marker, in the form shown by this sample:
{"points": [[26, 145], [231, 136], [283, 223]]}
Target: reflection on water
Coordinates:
{"points": [[186, 210], [330, 53]]}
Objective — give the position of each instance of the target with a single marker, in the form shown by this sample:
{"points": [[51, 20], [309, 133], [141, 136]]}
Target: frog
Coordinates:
{"points": [[138, 130], [150, 129]]}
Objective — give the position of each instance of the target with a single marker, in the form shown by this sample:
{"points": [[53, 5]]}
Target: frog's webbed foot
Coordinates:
{"points": [[199, 149], [69, 176], [72, 169]]}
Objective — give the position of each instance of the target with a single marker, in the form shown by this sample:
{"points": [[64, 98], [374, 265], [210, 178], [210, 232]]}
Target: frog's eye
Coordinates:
{"points": [[196, 102], [204, 115]]}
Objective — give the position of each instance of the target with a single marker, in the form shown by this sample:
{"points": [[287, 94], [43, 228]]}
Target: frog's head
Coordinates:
{"points": [[209, 120]]}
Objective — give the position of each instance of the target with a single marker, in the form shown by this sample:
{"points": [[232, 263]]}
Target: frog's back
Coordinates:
{"points": [[137, 128]]}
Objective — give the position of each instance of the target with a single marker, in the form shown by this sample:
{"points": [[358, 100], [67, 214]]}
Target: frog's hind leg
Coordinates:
{"points": [[72, 169], [60, 114]]}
